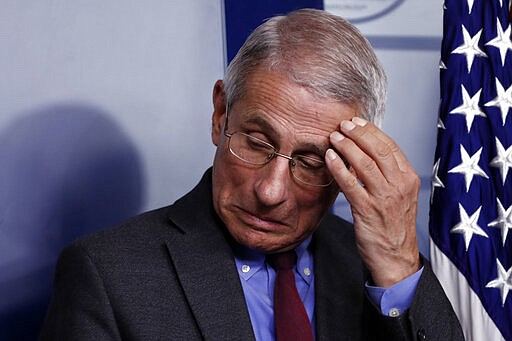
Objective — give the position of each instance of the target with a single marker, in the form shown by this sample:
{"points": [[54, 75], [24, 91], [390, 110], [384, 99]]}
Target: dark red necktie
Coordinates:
{"points": [[291, 320]]}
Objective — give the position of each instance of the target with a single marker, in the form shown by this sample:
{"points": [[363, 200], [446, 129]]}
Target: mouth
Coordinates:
{"points": [[262, 223]]}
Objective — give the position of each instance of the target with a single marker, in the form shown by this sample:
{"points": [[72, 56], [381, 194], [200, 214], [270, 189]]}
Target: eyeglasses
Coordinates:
{"points": [[309, 170]]}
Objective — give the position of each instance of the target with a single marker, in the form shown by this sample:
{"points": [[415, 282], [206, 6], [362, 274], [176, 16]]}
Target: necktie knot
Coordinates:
{"points": [[282, 260]]}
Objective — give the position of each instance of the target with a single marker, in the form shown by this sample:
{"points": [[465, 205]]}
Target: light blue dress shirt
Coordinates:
{"points": [[258, 279]]}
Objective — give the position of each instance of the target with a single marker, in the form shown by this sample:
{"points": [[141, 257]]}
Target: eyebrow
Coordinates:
{"points": [[269, 129], [263, 123]]}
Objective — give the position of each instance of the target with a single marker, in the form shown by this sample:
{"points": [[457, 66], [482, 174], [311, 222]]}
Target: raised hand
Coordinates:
{"points": [[382, 189]]}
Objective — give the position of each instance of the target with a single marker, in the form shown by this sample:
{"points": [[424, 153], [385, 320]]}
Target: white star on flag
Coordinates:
{"points": [[503, 160], [470, 5], [501, 41], [440, 124], [503, 100], [469, 107], [470, 47], [436, 182], [469, 166], [502, 282], [468, 226], [504, 220]]}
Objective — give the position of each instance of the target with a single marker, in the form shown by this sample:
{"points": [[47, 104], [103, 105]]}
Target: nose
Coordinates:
{"points": [[273, 182]]}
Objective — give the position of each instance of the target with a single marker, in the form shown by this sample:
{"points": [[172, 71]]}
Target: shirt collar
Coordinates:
{"points": [[249, 261], [305, 261]]}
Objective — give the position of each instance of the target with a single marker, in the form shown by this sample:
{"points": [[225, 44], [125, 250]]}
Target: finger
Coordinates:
{"points": [[364, 166], [347, 182], [400, 157], [379, 146]]}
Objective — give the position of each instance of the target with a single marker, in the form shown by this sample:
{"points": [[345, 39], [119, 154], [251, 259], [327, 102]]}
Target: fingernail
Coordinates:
{"points": [[359, 121], [331, 155], [347, 125], [336, 136]]}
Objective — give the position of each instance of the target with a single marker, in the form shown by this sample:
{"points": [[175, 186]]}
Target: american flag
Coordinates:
{"points": [[471, 202]]}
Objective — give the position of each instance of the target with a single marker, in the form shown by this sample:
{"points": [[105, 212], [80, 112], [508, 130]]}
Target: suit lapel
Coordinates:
{"points": [[339, 282], [205, 267]]}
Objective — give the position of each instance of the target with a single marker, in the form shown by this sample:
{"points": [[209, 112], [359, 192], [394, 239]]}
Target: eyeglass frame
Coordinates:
{"points": [[291, 159]]}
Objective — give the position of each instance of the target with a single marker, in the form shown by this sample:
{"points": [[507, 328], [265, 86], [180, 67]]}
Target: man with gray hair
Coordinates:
{"points": [[252, 252]]}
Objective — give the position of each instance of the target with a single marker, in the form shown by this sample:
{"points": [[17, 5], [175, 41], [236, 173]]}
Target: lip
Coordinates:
{"points": [[261, 223]]}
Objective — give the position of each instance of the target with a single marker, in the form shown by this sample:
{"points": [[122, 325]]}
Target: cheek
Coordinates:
{"points": [[312, 207], [228, 179], [317, 198]]}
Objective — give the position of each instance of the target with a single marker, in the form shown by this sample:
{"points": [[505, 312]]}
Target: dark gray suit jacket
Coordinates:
{"points": [[170, 274]]}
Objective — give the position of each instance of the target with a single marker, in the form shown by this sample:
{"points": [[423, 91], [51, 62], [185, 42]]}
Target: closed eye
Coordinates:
{"points": [[309, 163], [257, 144]]}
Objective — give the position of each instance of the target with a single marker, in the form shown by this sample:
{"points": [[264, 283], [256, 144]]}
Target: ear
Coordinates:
{"points": [[219, 112]]}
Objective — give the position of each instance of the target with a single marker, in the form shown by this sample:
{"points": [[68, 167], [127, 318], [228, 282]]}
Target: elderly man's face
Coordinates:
{"points": [[265, 207]]}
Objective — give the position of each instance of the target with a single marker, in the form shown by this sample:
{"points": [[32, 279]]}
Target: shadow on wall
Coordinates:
{"points": [[65, 170]]}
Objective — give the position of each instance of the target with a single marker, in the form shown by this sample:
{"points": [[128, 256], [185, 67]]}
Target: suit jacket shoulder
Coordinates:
{"points": [[166, 274]]}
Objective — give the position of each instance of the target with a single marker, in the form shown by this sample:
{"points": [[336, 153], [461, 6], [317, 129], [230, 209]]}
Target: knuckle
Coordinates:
{"points": [[359, 132], [394, 147], [415, 181], [410, 187], [367, 165], [363, 209], [383, 151], [352, 184]]}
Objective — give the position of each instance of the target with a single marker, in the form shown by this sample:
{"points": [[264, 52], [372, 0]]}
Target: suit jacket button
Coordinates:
{"points": [[421, 334]]}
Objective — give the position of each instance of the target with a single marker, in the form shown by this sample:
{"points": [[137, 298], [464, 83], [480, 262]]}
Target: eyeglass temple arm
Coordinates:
{"points": [[227, 120]]}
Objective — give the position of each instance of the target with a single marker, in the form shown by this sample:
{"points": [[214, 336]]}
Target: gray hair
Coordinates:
{"points": [[319, 51]]}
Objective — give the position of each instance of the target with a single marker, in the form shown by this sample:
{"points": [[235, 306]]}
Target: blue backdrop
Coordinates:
{"points": [[243, 16]]}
